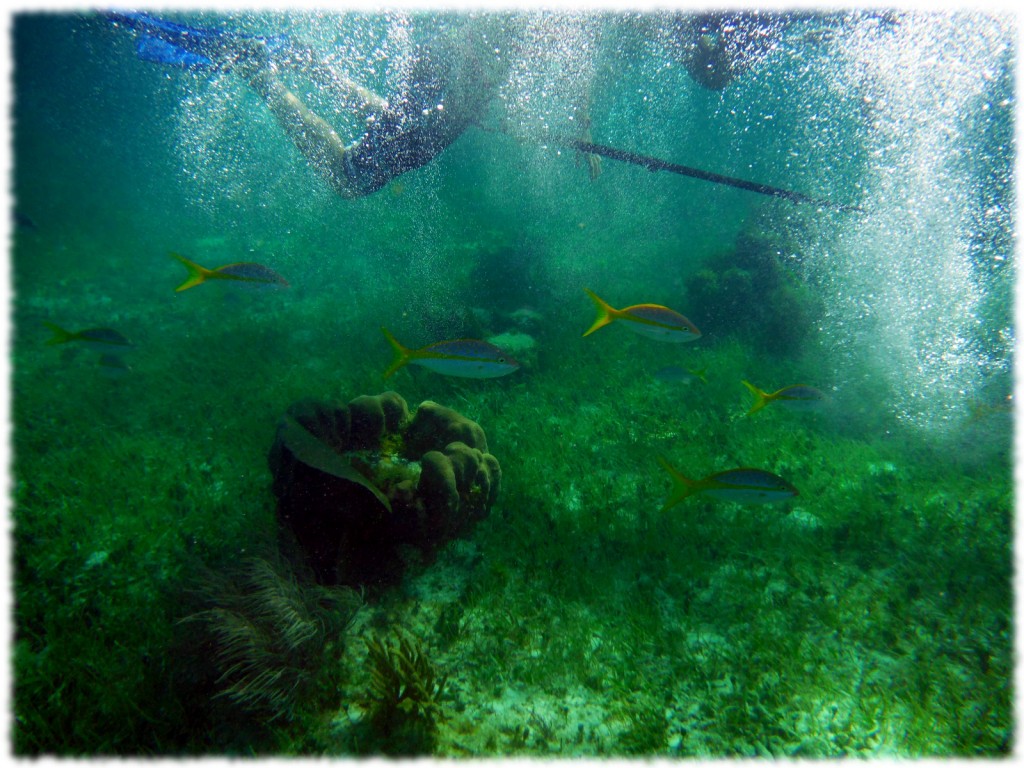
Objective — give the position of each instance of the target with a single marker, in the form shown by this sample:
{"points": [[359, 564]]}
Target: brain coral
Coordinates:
{"points": [[358, 484]]}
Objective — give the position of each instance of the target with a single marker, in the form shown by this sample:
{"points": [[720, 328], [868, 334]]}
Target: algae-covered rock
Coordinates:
{"points": [[356, 483], [748, 291]]}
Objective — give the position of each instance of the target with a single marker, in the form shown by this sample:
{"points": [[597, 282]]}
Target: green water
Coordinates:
{"points": [[868, 616]]}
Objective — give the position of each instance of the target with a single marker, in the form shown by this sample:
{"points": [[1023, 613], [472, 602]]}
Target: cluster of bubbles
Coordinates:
{"points": [[904, 281], [549, 81], [207, 117]]}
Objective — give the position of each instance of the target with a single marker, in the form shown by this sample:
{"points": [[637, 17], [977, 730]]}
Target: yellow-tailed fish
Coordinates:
{"points": [[797, 396], [241, 271], [652, 320], [743, 485], [469, 358], [101, 339]]}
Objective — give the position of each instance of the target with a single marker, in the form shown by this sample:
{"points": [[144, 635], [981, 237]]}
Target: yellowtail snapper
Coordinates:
{"points": [[652, 320], [101, 339], [743, 485], [241, 271], [469, 358], [797, 396]]}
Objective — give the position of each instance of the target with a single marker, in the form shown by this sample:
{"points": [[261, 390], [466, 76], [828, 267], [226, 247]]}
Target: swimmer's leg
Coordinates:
{"points": [[253, 58], [312, 135], [349, 94]]}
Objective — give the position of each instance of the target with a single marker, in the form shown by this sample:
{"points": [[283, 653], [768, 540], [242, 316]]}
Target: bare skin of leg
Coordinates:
{"points": [[354, 170], [352, 97], [319, 143]]}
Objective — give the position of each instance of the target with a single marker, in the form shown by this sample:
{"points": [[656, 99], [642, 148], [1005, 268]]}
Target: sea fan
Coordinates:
{"points": [[273, 636]]}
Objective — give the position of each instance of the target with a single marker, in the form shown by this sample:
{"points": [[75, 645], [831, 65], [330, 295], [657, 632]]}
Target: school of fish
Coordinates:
{"points": [[479, 359]]}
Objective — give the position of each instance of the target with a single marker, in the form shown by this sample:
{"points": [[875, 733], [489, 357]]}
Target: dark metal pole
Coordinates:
{"points": [[655, 164]]}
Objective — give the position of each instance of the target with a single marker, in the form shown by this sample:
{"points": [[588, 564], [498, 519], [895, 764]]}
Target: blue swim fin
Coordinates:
{"points": [[159, 51], [168, 42]]}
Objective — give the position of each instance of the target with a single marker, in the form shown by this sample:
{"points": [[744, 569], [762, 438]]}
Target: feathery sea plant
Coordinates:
{"points": [[275, 638]]}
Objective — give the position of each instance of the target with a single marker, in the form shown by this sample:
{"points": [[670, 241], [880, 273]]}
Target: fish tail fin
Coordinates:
{"points": [[60, 336], [401, 353], [196, 273], [682, 486], [701, 373], [605, 312], [761, 398]]}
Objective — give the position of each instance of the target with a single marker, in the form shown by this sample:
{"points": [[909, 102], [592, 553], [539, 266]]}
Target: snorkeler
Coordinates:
{"points": [[449, 86], [450, 82], [718, 46]]}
